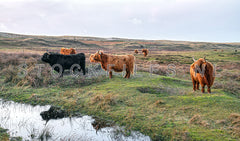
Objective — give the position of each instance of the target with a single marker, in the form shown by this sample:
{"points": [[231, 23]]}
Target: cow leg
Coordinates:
{"points": [[197, 85], [203, 89], [128, 74], [209, 89], [83, 68], [125, 75], [84, 71], [62, 73], [194, 85], [110, 74]]}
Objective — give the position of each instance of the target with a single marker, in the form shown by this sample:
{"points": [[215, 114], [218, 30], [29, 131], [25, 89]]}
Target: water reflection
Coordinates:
{"points": [[24, 120]]}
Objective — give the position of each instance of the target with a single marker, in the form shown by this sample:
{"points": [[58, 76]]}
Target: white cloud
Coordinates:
{"points": [[136, 21], [152, 19], [3, 27]]}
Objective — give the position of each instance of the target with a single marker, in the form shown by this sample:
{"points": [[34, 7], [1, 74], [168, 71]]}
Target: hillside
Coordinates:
{"points": [[29, 41]]}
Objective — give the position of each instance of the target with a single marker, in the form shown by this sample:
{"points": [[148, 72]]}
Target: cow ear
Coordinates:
{"points": [[100, 52], [204, 59], [193, 59]]}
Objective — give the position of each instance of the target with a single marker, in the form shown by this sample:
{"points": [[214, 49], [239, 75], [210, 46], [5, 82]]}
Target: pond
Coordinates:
{"points": [[25, 121]]}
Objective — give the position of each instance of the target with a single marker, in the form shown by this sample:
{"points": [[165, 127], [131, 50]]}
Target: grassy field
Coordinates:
{"points": [[3, 135], [156, 104]]}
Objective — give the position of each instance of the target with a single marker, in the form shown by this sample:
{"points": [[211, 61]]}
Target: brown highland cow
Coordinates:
{"points": [[115, 62], [145, 52], [66, 51], [202, 72], [136, 51]]}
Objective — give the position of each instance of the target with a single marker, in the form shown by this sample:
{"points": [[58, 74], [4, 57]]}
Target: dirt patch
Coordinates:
{"points": [[151, 90], [101, 123]]}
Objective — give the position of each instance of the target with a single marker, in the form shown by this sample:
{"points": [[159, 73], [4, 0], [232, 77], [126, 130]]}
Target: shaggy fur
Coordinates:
{"points": [[66, 61], [91, 58], [145, 52], [66, 51], [202, 72], [136, 51], [115, 62]]}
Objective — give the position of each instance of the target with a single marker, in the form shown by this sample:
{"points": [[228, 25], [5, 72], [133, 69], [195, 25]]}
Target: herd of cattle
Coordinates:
{"points": [[201, 71]]}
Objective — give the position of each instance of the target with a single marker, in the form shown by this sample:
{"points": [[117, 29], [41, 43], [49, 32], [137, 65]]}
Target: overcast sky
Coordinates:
{"points": [[192, 20]]}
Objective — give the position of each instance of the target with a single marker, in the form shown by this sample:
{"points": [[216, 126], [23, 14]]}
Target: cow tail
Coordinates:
{"points": [[133, 65]]}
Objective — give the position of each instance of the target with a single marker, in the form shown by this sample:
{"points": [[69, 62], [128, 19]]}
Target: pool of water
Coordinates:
{"points": [[24, 120]]}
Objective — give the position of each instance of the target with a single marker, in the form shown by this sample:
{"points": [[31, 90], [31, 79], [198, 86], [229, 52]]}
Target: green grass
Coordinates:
{"points": [[3, 135], [158, 106]]}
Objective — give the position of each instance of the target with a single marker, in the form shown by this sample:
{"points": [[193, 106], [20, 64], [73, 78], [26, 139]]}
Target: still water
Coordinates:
{"points": [[24, 120]]}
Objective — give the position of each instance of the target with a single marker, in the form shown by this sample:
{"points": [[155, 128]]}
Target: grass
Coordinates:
{"points": [[165, 108], [159, 111], [3, 135]]}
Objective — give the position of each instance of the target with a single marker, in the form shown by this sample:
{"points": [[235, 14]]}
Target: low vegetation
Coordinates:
{"points": [[3, 135], [160, 104]]}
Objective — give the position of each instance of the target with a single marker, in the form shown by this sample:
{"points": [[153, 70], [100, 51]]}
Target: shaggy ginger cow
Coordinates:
{"points": [[136, 51], [202, 72], [115, 62], [66, 51], [145, 52]]}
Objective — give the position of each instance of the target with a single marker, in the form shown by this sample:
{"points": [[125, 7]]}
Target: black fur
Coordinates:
{"points": [[66, 61]]}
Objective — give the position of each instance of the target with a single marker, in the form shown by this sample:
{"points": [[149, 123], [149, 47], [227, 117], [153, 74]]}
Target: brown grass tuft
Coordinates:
{"points": [[159, 103], [235, 123], [197, 120], [104, 102]]}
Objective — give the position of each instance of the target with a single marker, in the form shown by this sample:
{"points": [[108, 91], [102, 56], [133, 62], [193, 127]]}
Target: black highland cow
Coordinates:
{"points": [[66, 61]]}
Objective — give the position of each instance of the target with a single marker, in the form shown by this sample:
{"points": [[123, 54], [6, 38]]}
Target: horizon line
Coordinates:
{"points": [[112, 37]]}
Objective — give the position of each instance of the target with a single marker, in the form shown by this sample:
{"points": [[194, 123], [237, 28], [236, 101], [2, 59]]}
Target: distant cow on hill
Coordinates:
{"points": [[66, 51], [136, 51], [145, 52], [65, 61], [202, 72], [115, 62]]}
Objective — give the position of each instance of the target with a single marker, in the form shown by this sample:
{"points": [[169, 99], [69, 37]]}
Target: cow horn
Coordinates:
{"points": [[204, 58], [193, 59]]}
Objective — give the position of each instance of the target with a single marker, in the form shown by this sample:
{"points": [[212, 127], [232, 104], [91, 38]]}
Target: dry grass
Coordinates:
{"points": [[26, 75], [235, 124], [158, 103], [197, 120], [104, 101]]}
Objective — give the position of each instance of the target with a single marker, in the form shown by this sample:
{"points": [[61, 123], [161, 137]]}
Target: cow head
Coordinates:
{"points": [[199, 65], [73, 51], [98, 56], [46, 57], [136, 51], [91, 58]]}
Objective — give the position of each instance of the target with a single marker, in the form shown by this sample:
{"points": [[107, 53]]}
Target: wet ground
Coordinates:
{"points": [[25, 121]]}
